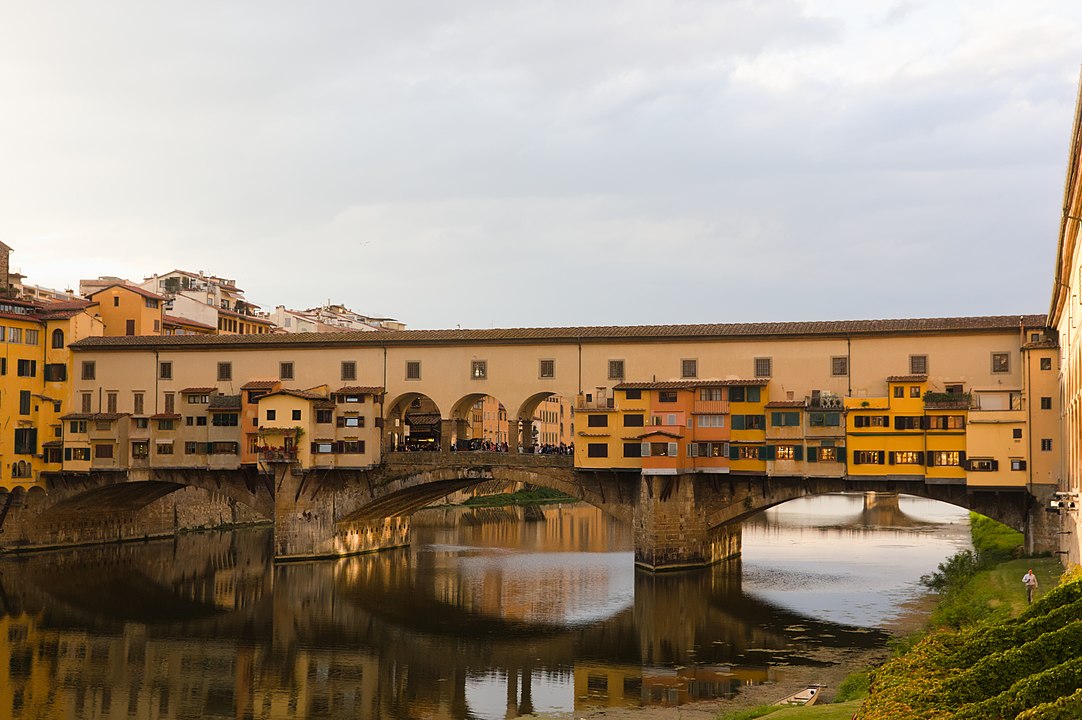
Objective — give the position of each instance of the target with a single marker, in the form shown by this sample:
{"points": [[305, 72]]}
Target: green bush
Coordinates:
{"points": [[1045, 687], [952, 573], [984, 641], [1065, 708], [993, 540], [854, 687]]}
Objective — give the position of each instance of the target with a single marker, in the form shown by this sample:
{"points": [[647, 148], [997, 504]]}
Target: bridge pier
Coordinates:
{"points": [[671, 528]]}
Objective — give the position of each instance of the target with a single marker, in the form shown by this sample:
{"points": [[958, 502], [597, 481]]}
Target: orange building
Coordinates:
{"points": [[129, 310]]}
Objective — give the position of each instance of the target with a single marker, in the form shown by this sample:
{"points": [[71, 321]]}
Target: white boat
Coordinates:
{"points": [[807, 696]]}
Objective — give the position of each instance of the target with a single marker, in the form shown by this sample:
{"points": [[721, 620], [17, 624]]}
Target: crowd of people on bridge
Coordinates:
{"points": [[478, 445]]}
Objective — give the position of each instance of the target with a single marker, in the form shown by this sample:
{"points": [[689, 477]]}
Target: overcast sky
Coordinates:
{"points": [[508, 163]]}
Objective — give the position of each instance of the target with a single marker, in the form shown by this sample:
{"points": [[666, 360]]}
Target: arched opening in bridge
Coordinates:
{"points": [[481, 423], [413, 423], [548, 420]]}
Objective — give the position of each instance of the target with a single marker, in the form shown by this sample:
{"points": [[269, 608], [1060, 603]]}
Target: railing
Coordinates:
{"points": [[278, 455], [711, 407], [605, 403], [948, 401], [824, 401]]}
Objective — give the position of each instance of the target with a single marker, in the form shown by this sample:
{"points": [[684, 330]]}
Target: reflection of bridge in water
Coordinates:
{"points": [[207, 625]]}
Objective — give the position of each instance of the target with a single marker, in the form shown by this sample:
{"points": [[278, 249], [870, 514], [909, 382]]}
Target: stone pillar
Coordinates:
{"points": [[527, 433], [671, 531], [447, 430], [1041, 526]]}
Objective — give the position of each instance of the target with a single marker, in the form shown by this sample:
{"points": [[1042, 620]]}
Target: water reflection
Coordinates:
{"points": [[491, 614]]}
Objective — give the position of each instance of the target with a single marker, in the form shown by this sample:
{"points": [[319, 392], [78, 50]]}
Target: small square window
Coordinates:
{"points": [[1046, 403], [899, 391], [689, 368], [479, 369], [349, 370], [165, 370], [918, 364], [285, 370], [272, 414], [1016, 433], [1046, 444], [296, 414], [1018, 464], [546, 368], [1001, 362], [914, 391], [89, 370], [225, 371], [616, 369], [413, 370], [1046, 363], [839, 366], [764, 367]]}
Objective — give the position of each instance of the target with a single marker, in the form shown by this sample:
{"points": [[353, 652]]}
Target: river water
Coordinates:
{"points": [[491, 613]]}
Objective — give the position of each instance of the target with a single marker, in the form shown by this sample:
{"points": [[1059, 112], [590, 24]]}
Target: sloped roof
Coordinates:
{"points": [[637, 333]]}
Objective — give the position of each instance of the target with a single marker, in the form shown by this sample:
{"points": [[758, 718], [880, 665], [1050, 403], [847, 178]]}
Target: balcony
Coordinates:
{"points": [[710, 407], [824, 401], [602, 404], [947, 401], [278, 455]]}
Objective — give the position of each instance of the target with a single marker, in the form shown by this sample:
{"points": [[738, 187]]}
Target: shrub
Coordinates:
{"points": [[1045, 687], [1066, 708], [854, 687], [952, 573]]}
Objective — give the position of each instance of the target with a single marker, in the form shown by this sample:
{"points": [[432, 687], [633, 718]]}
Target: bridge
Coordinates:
{"points": [[680, 431]]}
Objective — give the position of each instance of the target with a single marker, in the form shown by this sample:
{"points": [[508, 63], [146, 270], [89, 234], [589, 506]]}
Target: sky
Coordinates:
{"points": [[509, 163]]}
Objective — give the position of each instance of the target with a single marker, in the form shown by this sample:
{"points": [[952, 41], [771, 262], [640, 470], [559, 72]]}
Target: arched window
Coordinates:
{"points": [[58, 339]]}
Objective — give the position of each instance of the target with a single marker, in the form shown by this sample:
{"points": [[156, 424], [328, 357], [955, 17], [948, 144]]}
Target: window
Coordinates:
{"points": [[946, 422], [708, 449], [324, 415], [632, 450], [225, 420], [908, 422], [26, 441], [84, 402], [142, 423], [1001, 362], [352, 447], [711, 394], [546, 368], [77, 427], [597, 450], [413, 370], [635, 420], [140, 449], [1046, 364], [914, 391], [748, 422], [296, 415], [165, 370], [763, 367], [285, 370], [1046, 403], [824, 419], [116, 301], [736, 394], [597, 420], [918, 364], [163, 448], [711, 421], [15, 335], [24, 402], [103, 452], [1018, 464], [26, 368], [666, 396], [479, 369], [785, 419], [137, 403], [58, 339], [839, 366], [129, 326], [899, 391], [110, 402], [954, 389], [633, 394], [825, 454], [349, 370], [194, 448], [785, 452], [868, 457], [103, 425], [272, 414], [871, 421], [170, 403], [197, 398], [616, 369], [748, 452], [983, 465], [1016, 433], [1046, 444], [908, 457], [32, 337], [165, 424], [946, 458], [350, 421], [689, 368], [225, 371]]}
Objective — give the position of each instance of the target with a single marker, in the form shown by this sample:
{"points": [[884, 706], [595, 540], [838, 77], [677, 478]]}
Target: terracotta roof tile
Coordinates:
{"points": [[259, 385], [134, 288], [358, 390], [174, 320], [689, 384], [165, 416], [94, 416], [723, 331], [303, 394], [785, 404], [224, 402], [907, 378], [198, 390]]}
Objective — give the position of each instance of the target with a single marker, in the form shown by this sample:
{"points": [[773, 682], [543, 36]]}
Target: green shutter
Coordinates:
{"points": [[734, 452], [813, 454], [762, 452], [753, 394], [738, 422], [840, 450], [777, 419], [882, 456], [798, 452], [771, 452], [833, 419]]}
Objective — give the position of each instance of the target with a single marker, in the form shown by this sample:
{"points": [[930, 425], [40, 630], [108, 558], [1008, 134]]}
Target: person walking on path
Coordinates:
{"points": [[1030, 581]]}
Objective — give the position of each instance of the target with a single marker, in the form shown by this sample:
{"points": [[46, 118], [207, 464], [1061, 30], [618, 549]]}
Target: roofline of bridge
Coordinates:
{"points": [[573, 335]]}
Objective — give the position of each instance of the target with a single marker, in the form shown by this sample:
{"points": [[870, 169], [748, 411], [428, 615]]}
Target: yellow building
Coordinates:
{"points": [[129, 310]]}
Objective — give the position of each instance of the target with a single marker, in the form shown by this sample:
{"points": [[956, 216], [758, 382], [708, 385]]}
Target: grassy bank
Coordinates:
{"points": [[531, 496], [988, 655]]}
